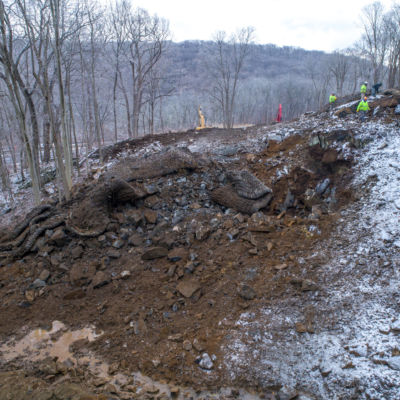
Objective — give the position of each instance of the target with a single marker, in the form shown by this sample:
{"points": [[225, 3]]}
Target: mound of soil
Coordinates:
{"points": [[166, 269]]}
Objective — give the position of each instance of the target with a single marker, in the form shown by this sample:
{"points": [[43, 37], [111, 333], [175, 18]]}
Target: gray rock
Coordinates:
{"points": [[394, 363], [397, 109], [226, 151], [206, 362], [134, 217], [308, 285], [376, 111], [246, 292], [151, 188], [202, 232], [322, 186], [125, 274], [395, 326], [5, 210], [359, 351], [155, 252], [287, 393], [325, 369], [118, 244], [113, 254], [37, 283]]}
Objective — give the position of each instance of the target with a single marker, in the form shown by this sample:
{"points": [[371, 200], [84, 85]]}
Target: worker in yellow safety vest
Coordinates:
{"points": [[332, 99], [363, 108], [363, 90]]}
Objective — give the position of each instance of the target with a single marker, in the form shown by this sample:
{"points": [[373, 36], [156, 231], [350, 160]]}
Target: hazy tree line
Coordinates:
{"points": [[75, 76]]}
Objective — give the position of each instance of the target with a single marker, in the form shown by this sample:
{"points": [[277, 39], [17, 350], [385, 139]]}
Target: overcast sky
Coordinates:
{"points": [[310, 24]]}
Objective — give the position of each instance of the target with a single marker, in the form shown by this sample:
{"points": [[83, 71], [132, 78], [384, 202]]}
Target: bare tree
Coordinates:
{"points": [[375, 40], [320, 76], [142, 39], [392, 29], [339, 67], [96, 40], [19, 95], [156, 88], [226, 68]]}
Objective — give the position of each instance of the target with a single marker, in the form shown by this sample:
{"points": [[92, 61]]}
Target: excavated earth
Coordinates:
{"points": [[244, 264]]}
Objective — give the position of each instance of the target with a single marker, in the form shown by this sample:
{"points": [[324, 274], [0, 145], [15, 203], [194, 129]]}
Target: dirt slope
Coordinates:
{"points": [[200, 294]]}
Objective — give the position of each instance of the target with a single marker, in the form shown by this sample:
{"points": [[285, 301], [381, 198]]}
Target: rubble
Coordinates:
{"points": [[219, 243]]}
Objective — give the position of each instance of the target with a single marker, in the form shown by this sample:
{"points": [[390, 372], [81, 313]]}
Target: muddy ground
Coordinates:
{"points": [[192, 294]]}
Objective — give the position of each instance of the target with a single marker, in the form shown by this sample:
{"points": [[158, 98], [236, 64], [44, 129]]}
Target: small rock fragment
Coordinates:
{"points": [[187, 345], [187, 288], [155, 252], [198, 345], [125, 274], [246, 292], [206, 362], [100, 279], [287, 393], [44, 275]]}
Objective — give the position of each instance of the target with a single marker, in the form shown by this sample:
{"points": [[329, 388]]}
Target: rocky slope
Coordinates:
{"points": [[256, 263]]}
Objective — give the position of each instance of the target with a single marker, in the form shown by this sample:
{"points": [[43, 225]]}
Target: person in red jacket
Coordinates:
{"points": [[279, 115]]}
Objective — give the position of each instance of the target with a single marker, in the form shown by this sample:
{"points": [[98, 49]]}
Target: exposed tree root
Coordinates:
{"points": [[35, 212], [30, 238], [84, 233]]}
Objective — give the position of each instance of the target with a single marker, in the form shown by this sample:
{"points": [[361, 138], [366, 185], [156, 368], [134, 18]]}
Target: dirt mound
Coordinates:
{"points": [[164, 253]]}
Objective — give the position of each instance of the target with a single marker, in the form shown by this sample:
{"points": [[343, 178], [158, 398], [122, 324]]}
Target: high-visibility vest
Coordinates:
{"points": [[363, 89], [363, 106], [332, 99]]}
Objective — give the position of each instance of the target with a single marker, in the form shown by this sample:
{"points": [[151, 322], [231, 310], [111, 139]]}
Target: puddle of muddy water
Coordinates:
{"points": [[40, 344]]}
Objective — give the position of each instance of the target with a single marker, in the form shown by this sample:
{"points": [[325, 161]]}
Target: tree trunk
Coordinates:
{"points": [[115, 107], [46, 139]]}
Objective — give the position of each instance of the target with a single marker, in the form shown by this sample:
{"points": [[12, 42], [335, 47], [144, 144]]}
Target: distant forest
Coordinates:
{"points": [[298, 79]]}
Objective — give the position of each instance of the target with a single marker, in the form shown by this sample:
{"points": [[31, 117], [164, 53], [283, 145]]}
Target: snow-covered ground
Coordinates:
{"points": [[354, 352]]}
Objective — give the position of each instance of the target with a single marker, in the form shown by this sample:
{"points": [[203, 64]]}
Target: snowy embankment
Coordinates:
{"points": [[354, 350]]}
